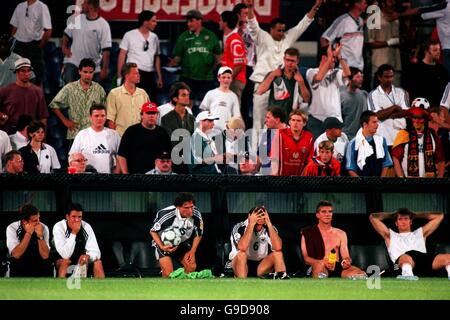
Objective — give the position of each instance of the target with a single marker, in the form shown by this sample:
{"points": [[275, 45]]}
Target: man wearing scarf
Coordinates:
{"points": [[417, 151]]}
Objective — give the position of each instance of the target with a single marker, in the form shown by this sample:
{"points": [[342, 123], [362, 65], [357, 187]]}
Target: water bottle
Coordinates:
{"points": [[332, 258]]}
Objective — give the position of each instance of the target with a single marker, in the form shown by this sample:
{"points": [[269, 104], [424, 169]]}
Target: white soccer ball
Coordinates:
{"points": [[171, 236], [420, 103]]}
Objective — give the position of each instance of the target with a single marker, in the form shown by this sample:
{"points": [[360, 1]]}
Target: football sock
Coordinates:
{"points": [[407, 270], [448, 270]]}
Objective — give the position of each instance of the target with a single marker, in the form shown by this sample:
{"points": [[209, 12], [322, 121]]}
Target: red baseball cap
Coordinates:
{"points": [[149, 107]]}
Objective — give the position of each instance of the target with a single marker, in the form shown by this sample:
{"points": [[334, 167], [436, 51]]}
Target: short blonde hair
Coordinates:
{"points": [[300, 113], [327, 145]]}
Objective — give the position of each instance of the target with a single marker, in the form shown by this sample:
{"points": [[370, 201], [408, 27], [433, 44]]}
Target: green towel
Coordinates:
{"points": [[180, 274]]}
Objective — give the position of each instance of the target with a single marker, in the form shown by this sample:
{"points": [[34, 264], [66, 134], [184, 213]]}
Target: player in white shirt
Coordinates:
{"points": [[75, 243], [97, 143], [445, 102], [222, 102], [256, 247], [407, 248]]}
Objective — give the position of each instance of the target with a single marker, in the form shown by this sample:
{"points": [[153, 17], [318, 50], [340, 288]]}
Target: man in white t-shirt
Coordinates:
{"points": [[324, 83], [32, 28], [256, 247], [91, 38], [141, 46], [98, 144], [407, 249], [350, 29], [222, 102]]}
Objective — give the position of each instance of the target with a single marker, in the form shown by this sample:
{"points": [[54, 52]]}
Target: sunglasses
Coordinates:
{"points": [[80, 160], [146, 44]]}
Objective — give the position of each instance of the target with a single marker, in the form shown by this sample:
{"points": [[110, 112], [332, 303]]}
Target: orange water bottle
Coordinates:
{"points": [[332, 258]]}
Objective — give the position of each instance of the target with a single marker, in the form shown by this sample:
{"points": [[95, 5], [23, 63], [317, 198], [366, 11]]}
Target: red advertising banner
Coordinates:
{"points": [[173, 10]]}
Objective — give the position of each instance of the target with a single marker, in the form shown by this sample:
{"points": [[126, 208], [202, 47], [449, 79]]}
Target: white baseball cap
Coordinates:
{"points": [[205, 115], [222, 70]]}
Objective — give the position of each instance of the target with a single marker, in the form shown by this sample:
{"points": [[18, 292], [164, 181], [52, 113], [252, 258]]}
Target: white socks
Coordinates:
{"points": [[448, 270], [407, 270]]}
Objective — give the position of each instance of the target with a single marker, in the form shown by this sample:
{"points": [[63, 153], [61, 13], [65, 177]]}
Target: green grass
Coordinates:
{"points": [[222, 289]]}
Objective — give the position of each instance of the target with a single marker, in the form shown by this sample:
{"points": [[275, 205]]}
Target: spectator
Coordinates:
{"points": [[367, 153], [204, 154], [439, 12], [430, 77], [99, 144], [32, 28], [143, 142], [22, 97], [275, 120], [323, 164], [13, 162], [90, 37], [292, 147], [407, 248], [353, 102], [183, 214], [417, 151], [222, 102], [270, 48], [234, 55], [163, 164], [349, 29], [247, 95], [174, 91], [389, 103], [324, 83], [28, 245], [198, 51], [333, 133], [124, 103], [7, 61], [78, 97], [75, 243], [319, 240], [20, 138], [256, 247], [385, 41], [179, 118], [78, 164], [5, 146], [286, 85], [141, 46], [37, 155]]}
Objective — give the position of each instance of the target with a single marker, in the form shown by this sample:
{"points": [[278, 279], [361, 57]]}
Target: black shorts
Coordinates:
{"points": [[252, 267], [422, 263], [178, 254], [337, 270]]}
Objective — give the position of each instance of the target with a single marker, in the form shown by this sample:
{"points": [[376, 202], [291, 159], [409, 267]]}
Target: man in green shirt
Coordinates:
{"points": [[76, 98], [198, 51]]}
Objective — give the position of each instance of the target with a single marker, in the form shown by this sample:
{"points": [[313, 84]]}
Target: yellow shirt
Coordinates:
{"points": [[125, 109]]}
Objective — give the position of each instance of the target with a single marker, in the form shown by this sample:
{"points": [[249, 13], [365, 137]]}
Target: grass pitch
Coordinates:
{"points": [[222, 289]]}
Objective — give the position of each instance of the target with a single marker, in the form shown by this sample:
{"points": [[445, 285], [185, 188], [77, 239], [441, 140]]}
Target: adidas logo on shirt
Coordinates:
{"points": [[101, 149]]}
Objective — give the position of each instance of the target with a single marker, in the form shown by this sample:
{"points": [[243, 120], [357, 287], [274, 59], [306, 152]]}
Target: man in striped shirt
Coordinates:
{"points": [[185, 216]]}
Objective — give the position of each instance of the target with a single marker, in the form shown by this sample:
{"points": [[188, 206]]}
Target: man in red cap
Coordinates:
{"points": [[143, 142], [417, 151]]}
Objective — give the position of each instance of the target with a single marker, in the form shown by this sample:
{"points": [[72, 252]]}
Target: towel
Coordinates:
{"points": [[365, 150], [314, 242]]}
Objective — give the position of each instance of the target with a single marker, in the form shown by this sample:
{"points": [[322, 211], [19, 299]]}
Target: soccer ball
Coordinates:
{"points": [[171, 236], [420, 103]]}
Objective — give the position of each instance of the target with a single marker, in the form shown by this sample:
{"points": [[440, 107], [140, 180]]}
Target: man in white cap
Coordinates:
{"points": [[21, 97], [222, 102], [204, 154]]}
